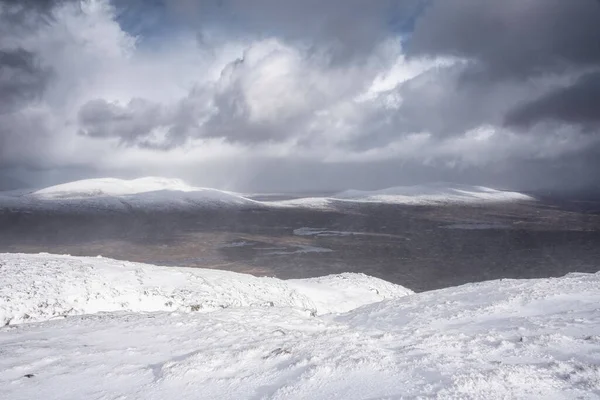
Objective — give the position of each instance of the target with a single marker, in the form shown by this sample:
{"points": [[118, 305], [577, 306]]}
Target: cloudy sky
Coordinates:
{"points": [[283, 95]]}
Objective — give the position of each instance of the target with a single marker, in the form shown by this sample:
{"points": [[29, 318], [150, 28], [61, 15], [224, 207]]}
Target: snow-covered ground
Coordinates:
{"points": [[144, 332], [436, 193], [113, 187], [42, 287], [153, 193]]}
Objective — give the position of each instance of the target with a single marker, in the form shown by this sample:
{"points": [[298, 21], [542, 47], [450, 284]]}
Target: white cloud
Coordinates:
{"points": [[182, 104]]}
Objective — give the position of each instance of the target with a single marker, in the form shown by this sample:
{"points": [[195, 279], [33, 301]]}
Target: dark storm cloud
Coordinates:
{"points": [[43, 5], [101, 119], [512, 38], [535, 44], [438, 102], [348, 28], [576, 104], [144, 123], [325, 83], [17, 15], [140, 122], [22, 79], [205, 112]]}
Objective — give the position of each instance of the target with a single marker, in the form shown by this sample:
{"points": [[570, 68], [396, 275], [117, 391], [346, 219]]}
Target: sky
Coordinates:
{"points": [[282, 95]]}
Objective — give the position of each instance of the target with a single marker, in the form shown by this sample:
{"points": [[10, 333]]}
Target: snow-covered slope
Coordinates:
{"points": [[428, 194], [41, 287], [113, 187], [154, 193], [434, 194], [112, 194], [508, 339]]}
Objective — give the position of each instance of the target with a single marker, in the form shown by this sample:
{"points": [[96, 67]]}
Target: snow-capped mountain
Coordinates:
{"points": [[112, 329], [154, 193], [427, 194], [113, 187], [435, 193], [113, 194]]}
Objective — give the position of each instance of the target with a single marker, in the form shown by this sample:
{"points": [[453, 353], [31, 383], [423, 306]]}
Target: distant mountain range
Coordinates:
{"points": [[166, 194]]}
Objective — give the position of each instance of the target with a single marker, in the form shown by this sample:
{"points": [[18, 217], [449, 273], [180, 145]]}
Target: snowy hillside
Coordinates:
{"points": [[428, 194], [113, 187], [153, 193], [434, 194], [260, 338], [41, 287]]}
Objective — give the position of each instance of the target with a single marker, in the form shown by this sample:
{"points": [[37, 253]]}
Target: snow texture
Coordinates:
{"points": [[41, 287], [508, 339]]}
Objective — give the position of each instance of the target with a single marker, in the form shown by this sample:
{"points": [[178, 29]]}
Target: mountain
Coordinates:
{"points": [[103, 328], [113, 187], [437, 193], [150, 193], [154, 193], [427, 194]]}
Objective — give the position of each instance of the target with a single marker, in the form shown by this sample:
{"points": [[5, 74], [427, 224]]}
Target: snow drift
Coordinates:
{"points": [[41, 287], [521, 339]]}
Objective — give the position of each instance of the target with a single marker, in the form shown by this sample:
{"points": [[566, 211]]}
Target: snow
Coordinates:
{"points": [[322, 232], [426, 194], [113, 187], [152, 193], [41, 287], [525, 339], [434, 194], [318, 203]]}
